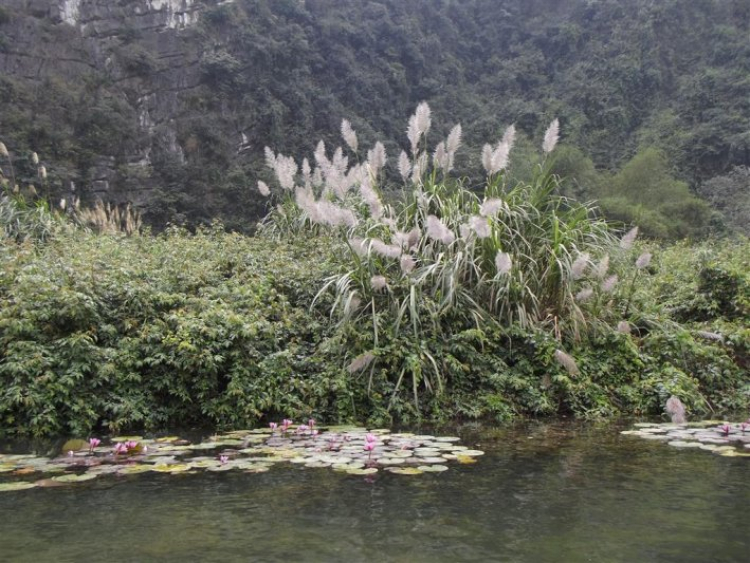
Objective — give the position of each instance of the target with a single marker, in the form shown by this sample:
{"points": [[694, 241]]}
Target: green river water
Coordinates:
{"points": [[543, 492]]}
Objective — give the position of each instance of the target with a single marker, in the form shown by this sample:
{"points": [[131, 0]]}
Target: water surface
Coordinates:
{"points": [[543, 492]]}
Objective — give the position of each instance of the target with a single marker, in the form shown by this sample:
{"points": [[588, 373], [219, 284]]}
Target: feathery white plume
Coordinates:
{"points": [[436, 230], [360, 362], [584, 295], [423, 118], [643, 260], [263, 189], [420, 165], [503, 262], [491, 207], [454, 139], [609, 284], [376, 157], [480, 225], [385, 250], [567, 362], [404, 166], [578, 269], [509, 137], [413, 134], [359, 246], [349, 135], [626, 242], [551, 136], [498, 158], [487, 157], [407, 263], [378, 283], [602, 267], [440, 157], [270, 158]]}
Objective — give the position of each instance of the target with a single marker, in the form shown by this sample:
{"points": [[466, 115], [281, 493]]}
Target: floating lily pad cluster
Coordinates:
{"points": [[722, 438], [351, 450]]}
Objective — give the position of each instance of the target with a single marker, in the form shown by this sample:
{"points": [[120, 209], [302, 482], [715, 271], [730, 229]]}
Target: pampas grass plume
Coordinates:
{"points": [[263, 189], [436, 230], [34, 158], [584, 295], [643, 260], [407, 263], [551, 136], [378, 283], [578, 269], [349, 135], [360, 362], [503, 262], [609, 284], [626, 242], [4, 150], [567, 362], [454, 139], [404, 166]]}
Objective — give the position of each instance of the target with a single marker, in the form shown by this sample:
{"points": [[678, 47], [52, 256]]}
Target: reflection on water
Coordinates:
{"points": [[543, 492]]}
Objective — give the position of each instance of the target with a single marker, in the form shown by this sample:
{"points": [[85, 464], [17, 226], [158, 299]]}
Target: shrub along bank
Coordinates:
{"points": [[217, 329]]}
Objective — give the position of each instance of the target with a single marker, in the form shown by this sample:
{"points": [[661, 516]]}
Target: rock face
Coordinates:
{"points": [[139, 55]]}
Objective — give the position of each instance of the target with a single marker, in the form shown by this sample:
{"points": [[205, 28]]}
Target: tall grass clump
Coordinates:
{"points": [[438, 265]]}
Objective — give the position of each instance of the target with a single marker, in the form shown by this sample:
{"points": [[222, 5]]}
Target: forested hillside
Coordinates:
{"points": [[170, 103]]}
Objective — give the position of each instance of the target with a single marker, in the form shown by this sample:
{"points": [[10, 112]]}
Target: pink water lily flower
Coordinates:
{"points": [[311, 423], [303, 428], [370, 438], [273, 427], [131, 445], [369, 446], [223, 459], [120, 448], [725, 428], [94, 442]]}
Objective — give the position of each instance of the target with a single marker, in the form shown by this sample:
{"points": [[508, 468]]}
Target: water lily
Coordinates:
{"points": [[131, 445], [370, 438], [302, 428], [725, 428], [223, 459], [311, 423], [285, 424], [369, 447], [93, 442], [120, 448], [273, 427]]}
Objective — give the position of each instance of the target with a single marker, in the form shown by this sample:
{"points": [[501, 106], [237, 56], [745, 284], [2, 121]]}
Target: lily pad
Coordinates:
{"points": [[364, 471], [75, 445], [171, 468], [75, 477], [405, 470], [432, 468], [16, 486]]}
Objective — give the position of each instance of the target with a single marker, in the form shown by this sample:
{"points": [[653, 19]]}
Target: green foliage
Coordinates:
{"points": [[621, 76], [210, 329]]}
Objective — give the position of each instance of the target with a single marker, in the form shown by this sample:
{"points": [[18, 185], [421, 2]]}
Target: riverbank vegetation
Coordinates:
{"points": [[438, 301]]}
